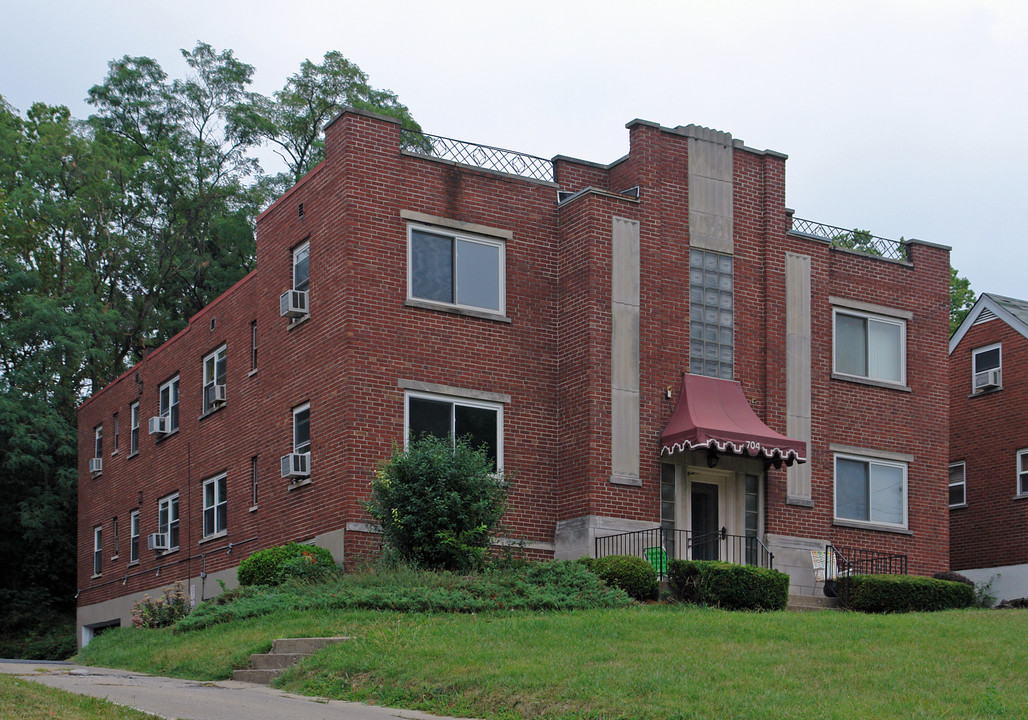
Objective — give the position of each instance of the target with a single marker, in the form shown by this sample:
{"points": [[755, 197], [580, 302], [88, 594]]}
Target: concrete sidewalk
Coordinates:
{"points": [[195, 700]]}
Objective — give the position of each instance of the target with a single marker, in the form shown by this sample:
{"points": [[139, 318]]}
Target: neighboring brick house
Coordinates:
{"points": [[988, 470], [552, 309]]}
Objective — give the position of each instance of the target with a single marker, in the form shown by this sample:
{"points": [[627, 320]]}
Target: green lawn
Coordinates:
{"points": [[26, 700], [651, 661]]}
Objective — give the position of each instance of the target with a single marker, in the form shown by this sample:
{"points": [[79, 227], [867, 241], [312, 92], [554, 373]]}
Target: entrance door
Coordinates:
{"points": [[705, 514]]}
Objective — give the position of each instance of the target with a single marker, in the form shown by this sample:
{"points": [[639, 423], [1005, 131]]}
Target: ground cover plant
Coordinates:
{"points": [[905, 593], [728, 586], [639, 661], [27, 700]]}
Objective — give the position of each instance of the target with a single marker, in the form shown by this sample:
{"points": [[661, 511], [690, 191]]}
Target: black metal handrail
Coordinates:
{"points": [[476, 155], [846, 561], [658, 545], [859, 240]]}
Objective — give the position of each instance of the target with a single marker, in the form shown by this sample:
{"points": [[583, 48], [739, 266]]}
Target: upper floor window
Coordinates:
{"points": [[481, 422], [465, 271], [169, 404], [870, 346], [114, 443], [987, 368], [302, 429], [134, 428], [302, 266], [253, 345], [711, 314], [97, 550], [134, 536], [870, 490], [98, 441], [957, 485], [167, 519], [214, 379], [215, 506], [1022, 472]]}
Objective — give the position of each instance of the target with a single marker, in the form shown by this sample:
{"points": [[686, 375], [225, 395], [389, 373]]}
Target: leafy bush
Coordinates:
{"points": [[728, 586], [276, 565], [953, 577], [630, 573], [559, 585], [905, 593], [162, 611], [437, 502]]}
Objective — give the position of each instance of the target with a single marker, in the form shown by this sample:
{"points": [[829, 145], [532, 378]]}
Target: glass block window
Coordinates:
{"points": [[711, 315]]}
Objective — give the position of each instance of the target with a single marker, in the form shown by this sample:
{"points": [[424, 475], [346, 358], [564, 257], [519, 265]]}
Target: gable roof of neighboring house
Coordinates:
{"points": [[1012, 311]]}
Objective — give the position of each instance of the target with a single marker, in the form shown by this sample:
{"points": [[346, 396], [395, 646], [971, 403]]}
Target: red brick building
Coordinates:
{"points": [[551, 309], [988, 470]]}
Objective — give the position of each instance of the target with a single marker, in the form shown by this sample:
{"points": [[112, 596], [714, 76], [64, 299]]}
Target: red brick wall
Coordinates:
{"points": [[986, 431]]}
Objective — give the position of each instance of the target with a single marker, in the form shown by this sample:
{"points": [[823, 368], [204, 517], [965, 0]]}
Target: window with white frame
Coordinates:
{"points": [[987, 368], [98, 441], [957, 485], [253, 345], [870, 490], [464, 271], [134, 536], [870, 346], [215, 506], [302, 429], [479, 421], [114, 526], [1022, 472], [134, 429], [167, 519], [97, 550], [213, 379], [114, 443], [169, 403], [302, 266], [253, 482]]}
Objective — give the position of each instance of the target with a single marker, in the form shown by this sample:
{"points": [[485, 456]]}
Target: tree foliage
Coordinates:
{"points": [[114, 231], [961, 299], [437, 503]]}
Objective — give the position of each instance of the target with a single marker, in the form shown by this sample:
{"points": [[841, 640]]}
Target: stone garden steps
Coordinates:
{"points": [[285, 653]]}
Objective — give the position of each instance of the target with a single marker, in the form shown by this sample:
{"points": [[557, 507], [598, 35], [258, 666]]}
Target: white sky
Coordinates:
{"points": [[902, 117]]}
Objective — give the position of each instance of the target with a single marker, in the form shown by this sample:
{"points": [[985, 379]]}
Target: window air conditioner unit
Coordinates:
{"points": [[160, 425], [96, 465], [215, 395], [987, 379], [293, 304], [157, 541], [296, 465]]}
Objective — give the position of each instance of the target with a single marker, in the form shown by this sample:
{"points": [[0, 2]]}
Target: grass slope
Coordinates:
{"points": [[26, 700], [640, 662]]}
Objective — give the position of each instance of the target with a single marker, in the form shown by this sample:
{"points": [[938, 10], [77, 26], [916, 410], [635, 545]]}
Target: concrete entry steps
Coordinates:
{"points": [[807, 603], [285, 653]]}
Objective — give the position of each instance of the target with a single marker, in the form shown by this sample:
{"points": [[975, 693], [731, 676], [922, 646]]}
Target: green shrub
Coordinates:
{"points": [[905, 593], [728, 586], [630, 573], [276, 565], [162, 611], [437, 502]]}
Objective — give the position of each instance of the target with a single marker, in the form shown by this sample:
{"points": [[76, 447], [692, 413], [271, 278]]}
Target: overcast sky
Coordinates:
{"points": [[902, 117]]}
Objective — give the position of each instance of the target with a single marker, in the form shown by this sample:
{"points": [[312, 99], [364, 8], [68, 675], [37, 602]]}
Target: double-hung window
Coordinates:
{"points": [[98, 441], [870, 490], [215, 506], [134, 429], [97, 550], [134, 537], [169, 403], [253, 346], [1022, 472], [302, 429], [114, 443], [478, 421], [214, 379], [167, 519], [302, 266], [957, 485], [456, 269], [987, 364], [870, 346]]}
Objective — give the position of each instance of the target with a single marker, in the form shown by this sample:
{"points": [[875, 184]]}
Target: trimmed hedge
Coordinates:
{"points": [[728, 586], [276, 565], [628, 572], [905, 593]]}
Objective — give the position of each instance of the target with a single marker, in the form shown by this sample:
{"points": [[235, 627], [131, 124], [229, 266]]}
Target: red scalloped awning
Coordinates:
{"points": [[714, 414]]}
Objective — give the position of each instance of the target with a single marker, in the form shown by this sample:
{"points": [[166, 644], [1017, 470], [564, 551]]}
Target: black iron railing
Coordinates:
{"points": [[859, 240], [481, 156], [846, 561], [659, 545]]}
